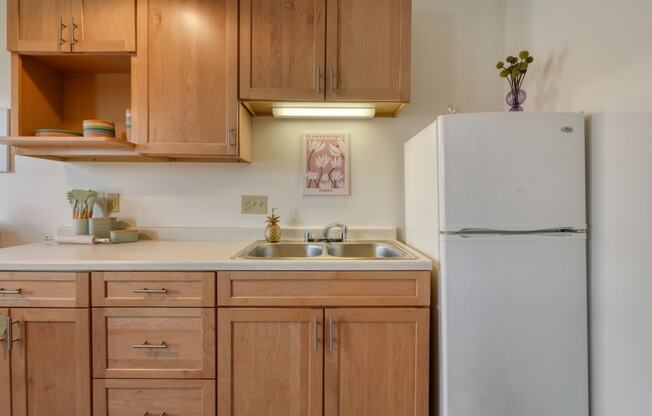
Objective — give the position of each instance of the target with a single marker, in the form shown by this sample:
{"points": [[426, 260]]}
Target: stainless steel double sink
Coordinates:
{"points": [[355, 250]]}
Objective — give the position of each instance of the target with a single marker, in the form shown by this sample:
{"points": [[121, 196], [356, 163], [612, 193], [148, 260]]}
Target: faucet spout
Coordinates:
{"points": [[343, 234]]}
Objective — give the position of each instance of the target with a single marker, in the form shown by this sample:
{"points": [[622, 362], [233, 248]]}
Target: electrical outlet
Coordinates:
{"points": [[113, 202], [254, 204]]}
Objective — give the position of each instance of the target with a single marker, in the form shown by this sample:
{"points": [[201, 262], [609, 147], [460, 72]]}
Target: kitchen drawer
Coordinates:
{"points": [[44, 290], [185, 289], [336, 288], [153, 397], [154, 343]]}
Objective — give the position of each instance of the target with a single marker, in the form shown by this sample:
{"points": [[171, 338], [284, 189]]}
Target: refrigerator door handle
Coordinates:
{"points": [[475, 232]]}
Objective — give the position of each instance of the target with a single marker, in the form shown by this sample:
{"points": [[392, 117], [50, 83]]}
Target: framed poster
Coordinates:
{"points": [[326, 168]]}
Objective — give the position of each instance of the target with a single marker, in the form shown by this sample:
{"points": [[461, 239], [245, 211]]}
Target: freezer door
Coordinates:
{"points": [[511, 171], [514, 326]]}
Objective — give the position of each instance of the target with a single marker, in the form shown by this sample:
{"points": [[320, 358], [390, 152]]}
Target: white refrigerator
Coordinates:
{"points": [[498, 201]]}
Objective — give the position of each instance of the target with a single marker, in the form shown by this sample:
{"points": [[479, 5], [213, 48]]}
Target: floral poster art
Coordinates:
{"points": [[326, 168]]}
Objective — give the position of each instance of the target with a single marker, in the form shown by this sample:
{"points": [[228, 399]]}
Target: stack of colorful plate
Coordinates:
{"points": [[98, 128], [56, 133]]}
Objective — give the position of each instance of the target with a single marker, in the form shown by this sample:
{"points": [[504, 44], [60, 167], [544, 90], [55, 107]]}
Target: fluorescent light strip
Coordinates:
{"points": [[324, 112]]}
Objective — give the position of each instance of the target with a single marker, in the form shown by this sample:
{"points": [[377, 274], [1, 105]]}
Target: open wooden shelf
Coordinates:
{"points": [[77, 142]]}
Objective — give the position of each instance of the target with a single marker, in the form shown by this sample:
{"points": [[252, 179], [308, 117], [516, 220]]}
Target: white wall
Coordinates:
{"points": [[596, 56], [454, 47]]}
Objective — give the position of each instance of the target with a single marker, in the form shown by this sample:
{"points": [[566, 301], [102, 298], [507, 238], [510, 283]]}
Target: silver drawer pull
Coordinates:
{"points": [[10, 291], [145, 290], [146, 345]]}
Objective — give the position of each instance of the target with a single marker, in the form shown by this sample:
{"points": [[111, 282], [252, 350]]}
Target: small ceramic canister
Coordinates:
{"points": [[101, 227], [80, 227], [124, 236]]}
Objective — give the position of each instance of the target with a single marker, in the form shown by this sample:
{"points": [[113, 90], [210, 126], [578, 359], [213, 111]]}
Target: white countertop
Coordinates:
{"points": [[171, 255]]}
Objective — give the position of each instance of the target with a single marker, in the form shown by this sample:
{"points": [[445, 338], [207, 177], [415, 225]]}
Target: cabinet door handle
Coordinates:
{"points": [[229, 135], [318, 79], [145, 290], [73, 26], [147, 346], [10, 291], [314, 334], [333, 80], [331, 343], [150, 414], [60, 39], [9, 334]]}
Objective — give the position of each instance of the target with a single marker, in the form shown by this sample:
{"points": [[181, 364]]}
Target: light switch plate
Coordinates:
{"points": [[254, 204]]}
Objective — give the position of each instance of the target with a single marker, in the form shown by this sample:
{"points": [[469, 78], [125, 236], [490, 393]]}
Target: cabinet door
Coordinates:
{"points": [[282, 49], [368, 50], [185, 77], [376, 362], [5, 365], [38, 25], [270, 362], [103, 26], [50, 362]]}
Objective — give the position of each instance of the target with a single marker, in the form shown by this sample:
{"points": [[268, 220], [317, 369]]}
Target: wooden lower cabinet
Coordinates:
{"points": [[50, 362], [154, 397], [376, 362], [270, 362], [5, 366]]}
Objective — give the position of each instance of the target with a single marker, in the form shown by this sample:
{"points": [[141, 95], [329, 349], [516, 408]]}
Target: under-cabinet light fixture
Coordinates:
{"points": [[324, 112]]}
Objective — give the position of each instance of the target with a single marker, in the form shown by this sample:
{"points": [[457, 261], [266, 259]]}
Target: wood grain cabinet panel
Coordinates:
{"points": [[44, 289], [173, 289], [5, 368], [319, 288], [153, 397], [368, 50], [50, 362], [103, 25], [282, 49], [185, 98], [37, 25], [377, 362], [270, 362], [154, 343]]}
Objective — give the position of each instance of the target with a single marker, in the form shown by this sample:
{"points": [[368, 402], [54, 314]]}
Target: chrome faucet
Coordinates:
{"points": [[326, 234]]}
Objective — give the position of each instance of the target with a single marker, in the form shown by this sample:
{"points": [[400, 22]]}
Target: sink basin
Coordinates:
{"points": [[362, 250], [365, 250], [284, 250]]}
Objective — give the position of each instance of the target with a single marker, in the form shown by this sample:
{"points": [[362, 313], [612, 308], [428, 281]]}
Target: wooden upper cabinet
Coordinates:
{"points": [[103, 25], [50, 362], [5, 365], [38, 25], [185, 99], [376, 362], [282, 49], [270, 362], [368, 50], [71, 25]]}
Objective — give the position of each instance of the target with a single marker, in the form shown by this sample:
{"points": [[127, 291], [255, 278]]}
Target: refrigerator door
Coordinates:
{"points": [[511, 171], [514, 326]]}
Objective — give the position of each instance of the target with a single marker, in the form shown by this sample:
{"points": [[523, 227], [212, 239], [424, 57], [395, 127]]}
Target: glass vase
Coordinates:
{"points": [[515, 99]]}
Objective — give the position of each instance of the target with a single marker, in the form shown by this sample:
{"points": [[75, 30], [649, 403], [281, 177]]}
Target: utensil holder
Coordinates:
{"points": [[80, 227], [101, 227]]}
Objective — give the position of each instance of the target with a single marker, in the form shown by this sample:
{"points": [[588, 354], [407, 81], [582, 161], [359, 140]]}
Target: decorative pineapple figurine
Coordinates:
{"points": [[273, 230]]}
